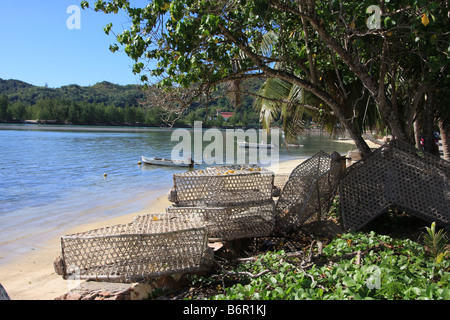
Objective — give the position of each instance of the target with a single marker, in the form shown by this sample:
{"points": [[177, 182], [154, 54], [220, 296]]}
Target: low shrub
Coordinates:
{"points": [[352, 266]]}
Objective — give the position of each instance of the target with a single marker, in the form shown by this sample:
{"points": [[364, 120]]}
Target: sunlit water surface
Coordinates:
{"points": [[52, 178]]}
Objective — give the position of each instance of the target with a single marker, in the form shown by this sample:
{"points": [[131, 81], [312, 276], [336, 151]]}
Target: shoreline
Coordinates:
{"points": [[67, 127], [32, 276], [21, 240], [113, 128]]}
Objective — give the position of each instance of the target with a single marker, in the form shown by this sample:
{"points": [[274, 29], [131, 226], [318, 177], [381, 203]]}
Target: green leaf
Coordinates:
{"points": [[176, 11], [349, 282], [280, 291], [108, 27], [113, 48]]}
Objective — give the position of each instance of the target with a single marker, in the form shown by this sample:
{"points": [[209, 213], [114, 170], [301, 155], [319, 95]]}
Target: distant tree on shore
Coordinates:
{"points": [[4, 102], [121, 107]]}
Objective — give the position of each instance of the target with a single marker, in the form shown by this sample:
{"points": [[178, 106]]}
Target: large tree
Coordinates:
{"points": [[395, 53]]}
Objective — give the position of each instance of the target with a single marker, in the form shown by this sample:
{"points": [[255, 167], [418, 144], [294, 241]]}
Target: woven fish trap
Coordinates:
{"points": [[221, 187], [236, 222], [396, 175], [308, 193], [3, 294], [280, 179], [238, 167], [149, 246]]}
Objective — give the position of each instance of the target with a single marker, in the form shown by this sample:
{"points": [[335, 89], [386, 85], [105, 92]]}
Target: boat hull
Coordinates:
{"points": [[248, 145], [164, 162]]}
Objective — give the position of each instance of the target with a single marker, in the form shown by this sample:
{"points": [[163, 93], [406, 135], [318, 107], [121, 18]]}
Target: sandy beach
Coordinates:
{"points": [[32, 277]]}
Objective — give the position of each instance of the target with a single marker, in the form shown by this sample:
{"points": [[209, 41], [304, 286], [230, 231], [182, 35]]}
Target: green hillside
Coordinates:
{"points": [[103, 92], [106, 103]]}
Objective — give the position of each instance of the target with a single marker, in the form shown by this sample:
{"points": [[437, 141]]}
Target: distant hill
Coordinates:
{"points": [[102, 92], [107, 103]]}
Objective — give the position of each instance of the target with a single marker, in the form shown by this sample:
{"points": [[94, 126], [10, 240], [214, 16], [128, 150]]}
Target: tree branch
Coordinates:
{"points": [[283, 75]]}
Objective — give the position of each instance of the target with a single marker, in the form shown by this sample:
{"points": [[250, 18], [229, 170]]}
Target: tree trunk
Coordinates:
{"points": [[429, 140], [417, 135], [361, 144], [308, 86], [445, 137]]}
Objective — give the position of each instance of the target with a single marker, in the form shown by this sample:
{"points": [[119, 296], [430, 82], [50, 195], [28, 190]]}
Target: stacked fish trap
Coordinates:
{"points": [[309, 192], [226, 202], [151, 245], [234, 202], [222, 186]]}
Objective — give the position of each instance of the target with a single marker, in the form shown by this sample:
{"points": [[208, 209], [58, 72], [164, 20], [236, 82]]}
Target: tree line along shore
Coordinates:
{"points": [[110, 104]]}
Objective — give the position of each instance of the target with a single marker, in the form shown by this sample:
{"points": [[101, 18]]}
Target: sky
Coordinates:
{"points": [[42, 44]]}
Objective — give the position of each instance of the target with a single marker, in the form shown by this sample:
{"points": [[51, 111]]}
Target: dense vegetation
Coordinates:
{"points": [[389, 269], [397, 257], [103, 92], [110, 104]]}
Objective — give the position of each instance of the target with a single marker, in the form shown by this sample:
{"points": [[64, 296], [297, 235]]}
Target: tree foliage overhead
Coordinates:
{"points": [[396, 53]]}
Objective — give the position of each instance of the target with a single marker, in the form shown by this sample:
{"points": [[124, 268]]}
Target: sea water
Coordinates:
{"points": [[54, 178]]}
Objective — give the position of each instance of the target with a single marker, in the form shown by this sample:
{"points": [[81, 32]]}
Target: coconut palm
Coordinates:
{"points": [[278, 99]]}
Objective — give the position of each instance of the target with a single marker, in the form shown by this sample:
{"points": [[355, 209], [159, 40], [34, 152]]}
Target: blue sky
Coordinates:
{"points": [[37, 47]]}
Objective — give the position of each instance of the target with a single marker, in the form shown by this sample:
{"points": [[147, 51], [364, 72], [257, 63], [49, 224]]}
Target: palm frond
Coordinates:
{"points": [[281, 100]]}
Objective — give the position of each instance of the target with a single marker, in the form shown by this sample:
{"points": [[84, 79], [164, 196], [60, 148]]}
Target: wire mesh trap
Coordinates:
{"points": [[280, 180], [222, 187], [151, 245], [233, 201], [234, 222], [309, 192], [221, 202], [396, 175], [3, 294]]}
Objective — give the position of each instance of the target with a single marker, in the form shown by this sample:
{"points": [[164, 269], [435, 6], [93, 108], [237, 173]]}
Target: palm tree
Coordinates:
{"points": [[279, 99]]}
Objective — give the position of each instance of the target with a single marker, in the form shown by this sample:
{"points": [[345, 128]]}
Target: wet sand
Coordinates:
{"points": [[32, 276]]}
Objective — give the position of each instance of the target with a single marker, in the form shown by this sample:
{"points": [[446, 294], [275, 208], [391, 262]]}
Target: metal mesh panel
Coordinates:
{"points": [[149, 246], [308, 192], [280, 180], [3, 294], [234, 222], [221, 187], [396, 175]]}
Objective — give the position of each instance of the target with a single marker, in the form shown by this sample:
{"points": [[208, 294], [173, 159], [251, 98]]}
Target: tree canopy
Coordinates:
{"points": [[350, 55]]}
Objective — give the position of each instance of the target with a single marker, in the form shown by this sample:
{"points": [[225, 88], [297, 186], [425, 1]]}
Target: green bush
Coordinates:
{"points": [[389, 269]]}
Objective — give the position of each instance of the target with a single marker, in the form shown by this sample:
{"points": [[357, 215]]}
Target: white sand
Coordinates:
{"points": [[369, 143], [32, 277]]}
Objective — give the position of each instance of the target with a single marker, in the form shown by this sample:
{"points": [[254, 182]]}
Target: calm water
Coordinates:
{"points": [[52, 180]]}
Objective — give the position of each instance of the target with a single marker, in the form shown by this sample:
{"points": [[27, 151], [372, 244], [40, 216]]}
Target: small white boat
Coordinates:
{"points": [[245, 144], [167, 162], [294, 145]]}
